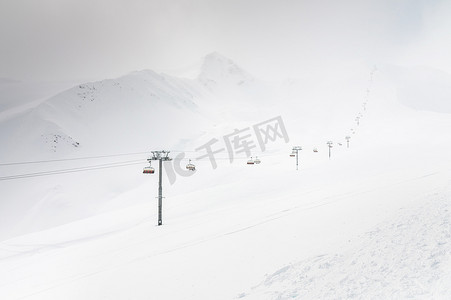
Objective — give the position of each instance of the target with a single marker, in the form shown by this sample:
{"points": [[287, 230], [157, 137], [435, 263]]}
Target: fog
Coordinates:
{"points": [[92, 40]]}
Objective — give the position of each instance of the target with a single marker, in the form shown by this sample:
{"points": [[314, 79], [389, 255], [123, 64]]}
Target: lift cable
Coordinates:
{"points": [[96, 157], [70, 159], [72, 170]]}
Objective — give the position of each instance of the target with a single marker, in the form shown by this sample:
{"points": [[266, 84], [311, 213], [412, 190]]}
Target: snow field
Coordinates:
{"points": [[372, 222]]}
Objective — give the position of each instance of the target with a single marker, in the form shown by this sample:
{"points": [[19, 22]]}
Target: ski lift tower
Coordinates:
{"points": [[347, 139], [160, 156], [330, 145], [357, 119], [296, 150]]}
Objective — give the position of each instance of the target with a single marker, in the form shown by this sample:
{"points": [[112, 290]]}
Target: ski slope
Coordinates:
{"points": [[371, 222]]}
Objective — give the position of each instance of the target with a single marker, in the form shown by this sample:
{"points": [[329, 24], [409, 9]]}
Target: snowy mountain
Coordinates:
{"points": [[135, 113], [90, 113], [219, 70], [371, 221]]}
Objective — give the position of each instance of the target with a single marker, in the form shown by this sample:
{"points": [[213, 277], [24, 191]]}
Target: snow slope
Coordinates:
{"points": [[405, 257], [133, 114], [371, 222]]}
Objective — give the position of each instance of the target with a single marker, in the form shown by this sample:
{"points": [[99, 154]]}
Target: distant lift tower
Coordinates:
{"points": [[347, 139], [330, 145], [160, 156], [295, 151]]}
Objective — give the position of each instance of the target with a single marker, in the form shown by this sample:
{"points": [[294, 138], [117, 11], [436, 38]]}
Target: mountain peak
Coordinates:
{"points": [[218, 68], [216, 56]]}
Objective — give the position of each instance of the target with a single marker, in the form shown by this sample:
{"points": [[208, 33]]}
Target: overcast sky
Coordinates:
{"points": [[96, 39]]}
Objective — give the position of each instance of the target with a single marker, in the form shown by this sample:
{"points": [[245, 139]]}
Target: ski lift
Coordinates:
{"points": [[191, 166], [250, 161], [148, 170], [340, 144], [257, 161], [315, 150], [293, 154]]}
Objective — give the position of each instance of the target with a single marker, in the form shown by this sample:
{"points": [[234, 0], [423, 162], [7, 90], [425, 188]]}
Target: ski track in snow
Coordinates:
{"points": [[406, 258]]}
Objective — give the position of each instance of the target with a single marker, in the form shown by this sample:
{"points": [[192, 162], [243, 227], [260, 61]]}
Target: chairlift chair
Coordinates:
{"points": [[257, 160], [250, 161], [191, 166], [148, 170]]}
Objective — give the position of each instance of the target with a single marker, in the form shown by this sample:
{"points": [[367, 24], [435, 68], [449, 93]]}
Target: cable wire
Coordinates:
{"points": [[69, 159], [72, 170]]}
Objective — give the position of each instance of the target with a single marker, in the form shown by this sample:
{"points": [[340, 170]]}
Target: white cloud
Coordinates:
{"points": [[73, 39]]}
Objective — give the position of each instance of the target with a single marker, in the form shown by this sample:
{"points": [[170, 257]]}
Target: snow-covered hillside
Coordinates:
{"points": [[370, 222], [136, 113]]}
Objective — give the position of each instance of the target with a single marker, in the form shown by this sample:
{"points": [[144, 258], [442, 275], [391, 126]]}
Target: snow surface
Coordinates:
{"points": [[370, 223]]}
